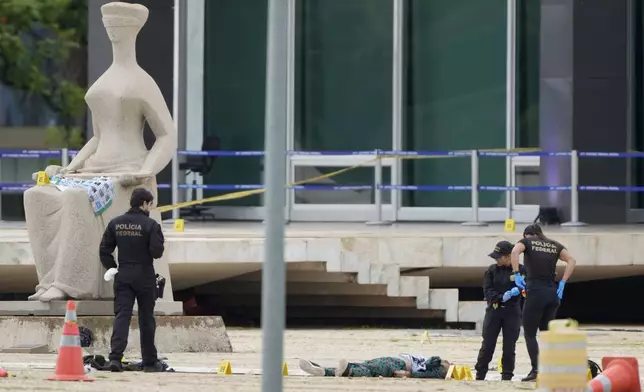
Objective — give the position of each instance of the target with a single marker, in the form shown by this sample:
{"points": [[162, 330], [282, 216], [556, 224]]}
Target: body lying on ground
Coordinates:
{"points": [[403, 365]]}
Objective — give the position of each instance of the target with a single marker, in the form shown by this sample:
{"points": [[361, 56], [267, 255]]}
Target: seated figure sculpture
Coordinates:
{"points": [[63, 222]]}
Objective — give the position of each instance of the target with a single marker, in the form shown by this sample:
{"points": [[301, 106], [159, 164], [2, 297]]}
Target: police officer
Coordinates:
{"points": [[542, 292], [139, 241], [503, 313]]}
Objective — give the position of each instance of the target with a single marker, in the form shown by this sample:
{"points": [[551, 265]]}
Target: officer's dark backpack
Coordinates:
{"points": [[594, 368]]}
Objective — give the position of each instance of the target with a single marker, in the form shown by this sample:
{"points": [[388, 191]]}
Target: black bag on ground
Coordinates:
{"points": [[594, 368]]}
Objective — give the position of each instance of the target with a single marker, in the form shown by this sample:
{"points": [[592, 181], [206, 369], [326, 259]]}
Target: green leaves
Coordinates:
{"points": [[37, 35]]}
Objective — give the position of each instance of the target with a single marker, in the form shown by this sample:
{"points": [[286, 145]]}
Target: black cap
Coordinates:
{"points": [[533, 229], [139, 196], [501, 249]]}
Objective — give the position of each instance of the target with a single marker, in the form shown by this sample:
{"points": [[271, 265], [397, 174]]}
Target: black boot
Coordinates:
{"points": [[116, 366], [532, 376], [157, 367]]}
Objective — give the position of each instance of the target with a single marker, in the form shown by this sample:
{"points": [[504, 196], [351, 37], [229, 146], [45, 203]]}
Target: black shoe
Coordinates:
{"points": [[480, 376], [532, 376], [506, 377], [116, 366], [156, 368]]}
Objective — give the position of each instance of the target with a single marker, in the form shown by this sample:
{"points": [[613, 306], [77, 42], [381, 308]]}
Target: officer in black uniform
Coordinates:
{"points": [[139, 240], [542, 292], [503, 313]]}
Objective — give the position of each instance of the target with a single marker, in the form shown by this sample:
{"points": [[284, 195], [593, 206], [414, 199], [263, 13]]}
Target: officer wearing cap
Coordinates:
{"points": [[540, 256], [503, 312], [139, 240]]}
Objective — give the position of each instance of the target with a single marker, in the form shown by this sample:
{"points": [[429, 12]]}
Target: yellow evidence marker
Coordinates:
{"points": [[509, 225], [284, 369], [42, 178], [179, 225], [225, 368], [425, 338]]}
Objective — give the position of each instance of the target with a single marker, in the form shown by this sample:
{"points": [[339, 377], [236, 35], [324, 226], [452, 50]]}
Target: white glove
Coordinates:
{"points": [[109, 275]]}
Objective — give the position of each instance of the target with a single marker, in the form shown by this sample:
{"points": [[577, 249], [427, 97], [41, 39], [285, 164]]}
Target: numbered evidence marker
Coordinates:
{"points": [[179, 225], [42, 178], [225, 368], [509, 225]]}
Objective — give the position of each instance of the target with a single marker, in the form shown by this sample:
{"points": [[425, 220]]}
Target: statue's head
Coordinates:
{"points": [[123, 20]]}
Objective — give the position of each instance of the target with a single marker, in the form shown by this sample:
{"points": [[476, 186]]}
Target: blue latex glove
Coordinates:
{"points": [[506, 296], [519, 281], [560, 289], [515, 291]]}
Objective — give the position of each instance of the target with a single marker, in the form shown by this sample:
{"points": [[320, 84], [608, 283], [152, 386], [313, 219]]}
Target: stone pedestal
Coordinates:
{"points": [[83, 308], [32, 323], [174, 333]]}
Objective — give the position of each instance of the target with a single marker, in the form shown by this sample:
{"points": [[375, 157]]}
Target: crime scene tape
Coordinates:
{"points": [[386, 154], [242, 194]]}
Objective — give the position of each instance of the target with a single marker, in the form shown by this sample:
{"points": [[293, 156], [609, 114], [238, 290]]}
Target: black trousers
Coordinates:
{"points": [[508, 320], [541, 304], [129, 284]]}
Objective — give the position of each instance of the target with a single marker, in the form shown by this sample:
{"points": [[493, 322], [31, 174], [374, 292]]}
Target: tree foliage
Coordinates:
{"points": [[39, 40]]}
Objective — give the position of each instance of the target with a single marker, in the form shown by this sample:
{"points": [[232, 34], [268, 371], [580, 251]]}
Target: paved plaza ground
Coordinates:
{"points": [[324, 346]]}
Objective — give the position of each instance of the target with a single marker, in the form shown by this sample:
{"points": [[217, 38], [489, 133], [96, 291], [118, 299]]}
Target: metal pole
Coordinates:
{"points": [[510, 96], [64, 157], [377, 182], [274, 269], [475, 191], [397, 102], [175, 103], [574, 192], [290, 108]]}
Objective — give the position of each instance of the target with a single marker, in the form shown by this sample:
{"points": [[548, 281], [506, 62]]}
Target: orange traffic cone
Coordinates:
{"points": [[620, 374], [69, 365], [70, 313]]}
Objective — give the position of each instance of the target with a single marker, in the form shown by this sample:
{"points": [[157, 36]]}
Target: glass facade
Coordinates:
{"points": [[637, 130], [455, 96], [454, 88], [234, 91], [343, 88], [527, 74]]}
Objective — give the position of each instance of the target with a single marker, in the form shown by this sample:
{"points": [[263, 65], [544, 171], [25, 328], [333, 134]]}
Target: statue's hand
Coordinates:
{"points": [[143, 175], [68, 170], [134, 179], [128, 180], [50, 170]]}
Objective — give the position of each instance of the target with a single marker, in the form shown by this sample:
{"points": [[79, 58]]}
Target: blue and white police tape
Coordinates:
{"points": [[55, 153], [30, 153], [21, 187]]}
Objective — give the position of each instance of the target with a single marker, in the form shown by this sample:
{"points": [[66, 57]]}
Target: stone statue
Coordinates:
{"points": [[64, 227]]}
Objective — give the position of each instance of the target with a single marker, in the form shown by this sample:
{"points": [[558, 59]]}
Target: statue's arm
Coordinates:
{"points": [[158, 116], [87, 151]]}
